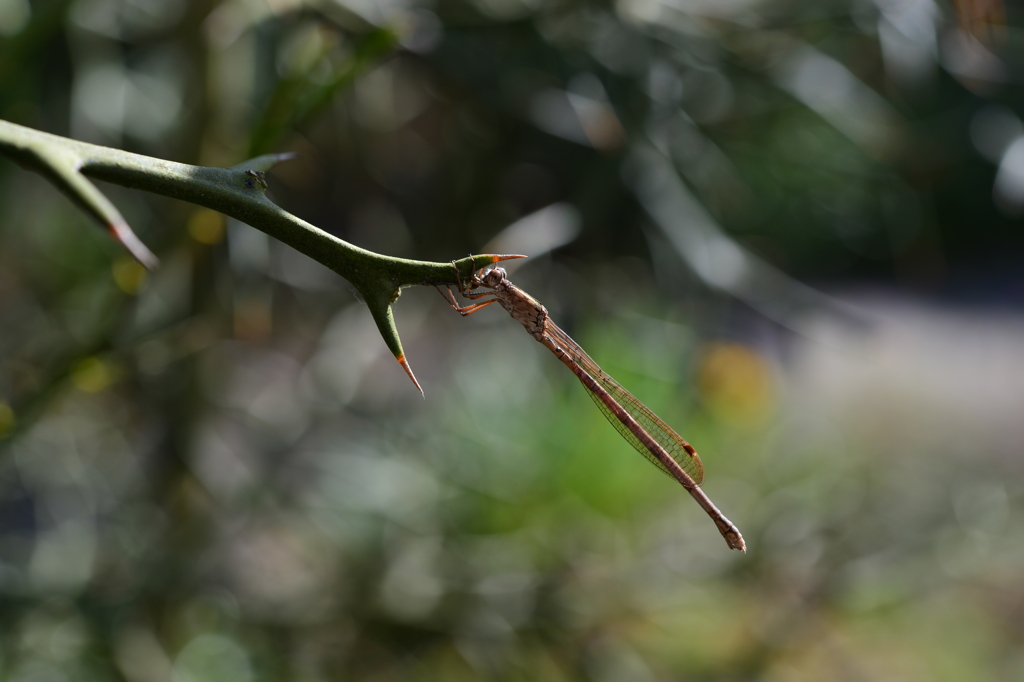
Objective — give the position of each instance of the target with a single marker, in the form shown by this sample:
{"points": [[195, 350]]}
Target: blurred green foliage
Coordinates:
{"points": [[217, 472]]}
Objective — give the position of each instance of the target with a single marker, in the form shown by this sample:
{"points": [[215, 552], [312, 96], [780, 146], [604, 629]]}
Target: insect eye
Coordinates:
{"points": [[495, 276]]}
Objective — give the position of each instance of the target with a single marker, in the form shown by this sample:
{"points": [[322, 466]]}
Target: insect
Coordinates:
{"points": [[643, 429]]}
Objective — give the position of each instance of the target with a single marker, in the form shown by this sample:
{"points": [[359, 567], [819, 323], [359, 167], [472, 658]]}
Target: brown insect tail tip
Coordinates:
{"points": [[731, 534], [408, 370]]}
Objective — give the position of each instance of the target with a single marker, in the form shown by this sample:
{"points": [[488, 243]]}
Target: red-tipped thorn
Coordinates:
{"points": [[495, 258], [408, 370], [122, 233]]}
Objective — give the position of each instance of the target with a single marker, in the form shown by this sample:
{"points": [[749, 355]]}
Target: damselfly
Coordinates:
{"points": [[643, 429]]}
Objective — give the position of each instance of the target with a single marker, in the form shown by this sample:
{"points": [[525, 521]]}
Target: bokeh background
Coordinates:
{"points": [[792, 228]]}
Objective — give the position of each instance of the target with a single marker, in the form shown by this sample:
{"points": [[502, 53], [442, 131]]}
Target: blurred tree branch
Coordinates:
{"points": [[296, 98], [239, 192]]}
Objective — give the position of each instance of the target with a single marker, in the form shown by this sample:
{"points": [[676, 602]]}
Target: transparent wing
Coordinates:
{"points": [[674, 444]]}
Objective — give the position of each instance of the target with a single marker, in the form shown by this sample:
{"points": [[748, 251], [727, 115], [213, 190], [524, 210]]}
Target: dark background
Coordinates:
{"points": [[791, 228]]}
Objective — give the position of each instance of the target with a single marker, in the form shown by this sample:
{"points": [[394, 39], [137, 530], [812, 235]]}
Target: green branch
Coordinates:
{"points": [[239, 192]]}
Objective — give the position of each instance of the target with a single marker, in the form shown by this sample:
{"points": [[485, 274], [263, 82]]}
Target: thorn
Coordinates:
{"points": [[496, 258], [408, 370], [129, 240]]}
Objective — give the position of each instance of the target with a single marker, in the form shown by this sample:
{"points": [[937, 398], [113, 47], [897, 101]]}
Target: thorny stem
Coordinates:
{"points": [[238, 192]]}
